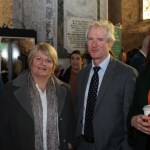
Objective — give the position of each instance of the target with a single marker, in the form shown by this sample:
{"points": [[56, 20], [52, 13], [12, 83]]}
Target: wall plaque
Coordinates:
{"points": [[77, 15]]}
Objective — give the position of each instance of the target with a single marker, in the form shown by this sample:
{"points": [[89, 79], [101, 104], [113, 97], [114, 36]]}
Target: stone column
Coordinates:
{"points": [[114, 11], [104, 9], [40, 15]]}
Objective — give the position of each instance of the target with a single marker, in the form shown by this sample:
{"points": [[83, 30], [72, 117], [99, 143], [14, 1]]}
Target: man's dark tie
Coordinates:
{"points": [[90, 107]]}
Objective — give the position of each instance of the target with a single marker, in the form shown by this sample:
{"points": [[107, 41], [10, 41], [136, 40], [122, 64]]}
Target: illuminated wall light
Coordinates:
{"points": [[15, 53], [4, 52], [146, 9]]}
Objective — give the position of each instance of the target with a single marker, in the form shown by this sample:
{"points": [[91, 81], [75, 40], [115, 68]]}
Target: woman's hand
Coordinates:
{"points": [[141, 123]]}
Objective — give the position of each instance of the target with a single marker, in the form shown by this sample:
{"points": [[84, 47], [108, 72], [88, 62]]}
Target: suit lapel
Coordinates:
{"points": [[24, 100], [61, 94], [108, 77], [22, 94], [23, 97], [82, 88]]}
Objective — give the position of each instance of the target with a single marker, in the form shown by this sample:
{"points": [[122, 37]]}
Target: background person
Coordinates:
{"points": [[139, 124], [123, 56], [1, 79], [35, 109], [70, 75], [138, 59], [4, 70], [130, 55], [106, 120], [1, 84]]}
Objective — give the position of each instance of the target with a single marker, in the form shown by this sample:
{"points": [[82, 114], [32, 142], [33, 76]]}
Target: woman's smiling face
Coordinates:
{"points": [[42, 65]]}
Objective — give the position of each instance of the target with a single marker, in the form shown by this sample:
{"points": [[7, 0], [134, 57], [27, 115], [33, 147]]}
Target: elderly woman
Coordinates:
{"points": [[35, 109]]}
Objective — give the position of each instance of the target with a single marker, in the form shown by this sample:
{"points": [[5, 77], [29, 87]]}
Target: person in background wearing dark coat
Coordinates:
{"points": [[139, 124], [36, 112], [1, 84], [1, 79], [70, 75], [138, 59], [130, 54]]}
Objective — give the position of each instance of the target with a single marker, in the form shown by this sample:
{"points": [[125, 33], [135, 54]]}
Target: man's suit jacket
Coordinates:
{"points": [[114, 98], [16, 116]]}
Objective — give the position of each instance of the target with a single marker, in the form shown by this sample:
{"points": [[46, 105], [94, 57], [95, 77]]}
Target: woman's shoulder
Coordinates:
{"points": [[61, 83], [66, 75]]}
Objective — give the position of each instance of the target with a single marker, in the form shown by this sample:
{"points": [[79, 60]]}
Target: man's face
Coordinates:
{"points": [[98, 46]]}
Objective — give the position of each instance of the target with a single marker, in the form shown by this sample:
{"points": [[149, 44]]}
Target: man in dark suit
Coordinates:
{"points": [[116, 82], [138, 59]]}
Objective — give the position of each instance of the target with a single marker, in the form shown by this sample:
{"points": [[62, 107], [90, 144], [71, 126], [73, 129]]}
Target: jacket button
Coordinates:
{"points": [[60, 119], [64, 140]]}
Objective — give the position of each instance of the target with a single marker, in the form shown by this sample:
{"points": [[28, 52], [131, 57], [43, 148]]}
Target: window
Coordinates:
{"points": [[146, 9]]}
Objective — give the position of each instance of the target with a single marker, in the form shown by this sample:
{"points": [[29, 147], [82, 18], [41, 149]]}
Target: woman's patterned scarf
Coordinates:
{"points": [[52, 115]]}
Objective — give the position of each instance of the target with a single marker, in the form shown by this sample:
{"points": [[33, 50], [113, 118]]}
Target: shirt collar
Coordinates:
{"points": [[104, 63], [143, 53]]}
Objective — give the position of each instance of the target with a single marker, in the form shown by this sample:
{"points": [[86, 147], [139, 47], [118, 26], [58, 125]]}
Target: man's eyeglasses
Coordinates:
{"points": [[41, 59]]}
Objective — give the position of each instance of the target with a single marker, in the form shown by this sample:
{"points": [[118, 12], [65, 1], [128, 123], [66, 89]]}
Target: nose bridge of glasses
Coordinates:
{"points": [[47, 60], [44, 60]]}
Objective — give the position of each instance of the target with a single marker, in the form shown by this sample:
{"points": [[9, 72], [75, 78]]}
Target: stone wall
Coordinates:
{"points": [[133, 28], [126, 12], [5, 11]]}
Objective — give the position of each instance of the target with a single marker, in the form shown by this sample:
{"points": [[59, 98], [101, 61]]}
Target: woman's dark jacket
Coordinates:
{"points": [[16, 116]]}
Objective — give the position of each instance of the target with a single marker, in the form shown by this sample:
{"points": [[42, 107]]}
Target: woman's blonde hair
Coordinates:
{"points": [[45, 48]]}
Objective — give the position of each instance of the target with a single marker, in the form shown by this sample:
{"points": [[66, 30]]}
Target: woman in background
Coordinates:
{"points": [[70, 75]]}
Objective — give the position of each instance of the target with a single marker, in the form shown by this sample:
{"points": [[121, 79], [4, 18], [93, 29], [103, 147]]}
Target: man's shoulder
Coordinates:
{"points": [[124, 67], [85, 69], [61, 83]]}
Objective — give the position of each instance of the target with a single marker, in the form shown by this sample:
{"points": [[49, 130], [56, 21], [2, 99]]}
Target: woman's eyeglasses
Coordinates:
{"points": [[41, 60]]}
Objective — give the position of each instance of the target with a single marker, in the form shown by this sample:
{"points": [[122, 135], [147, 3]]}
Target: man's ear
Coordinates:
{"points": [[110, 44]]}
